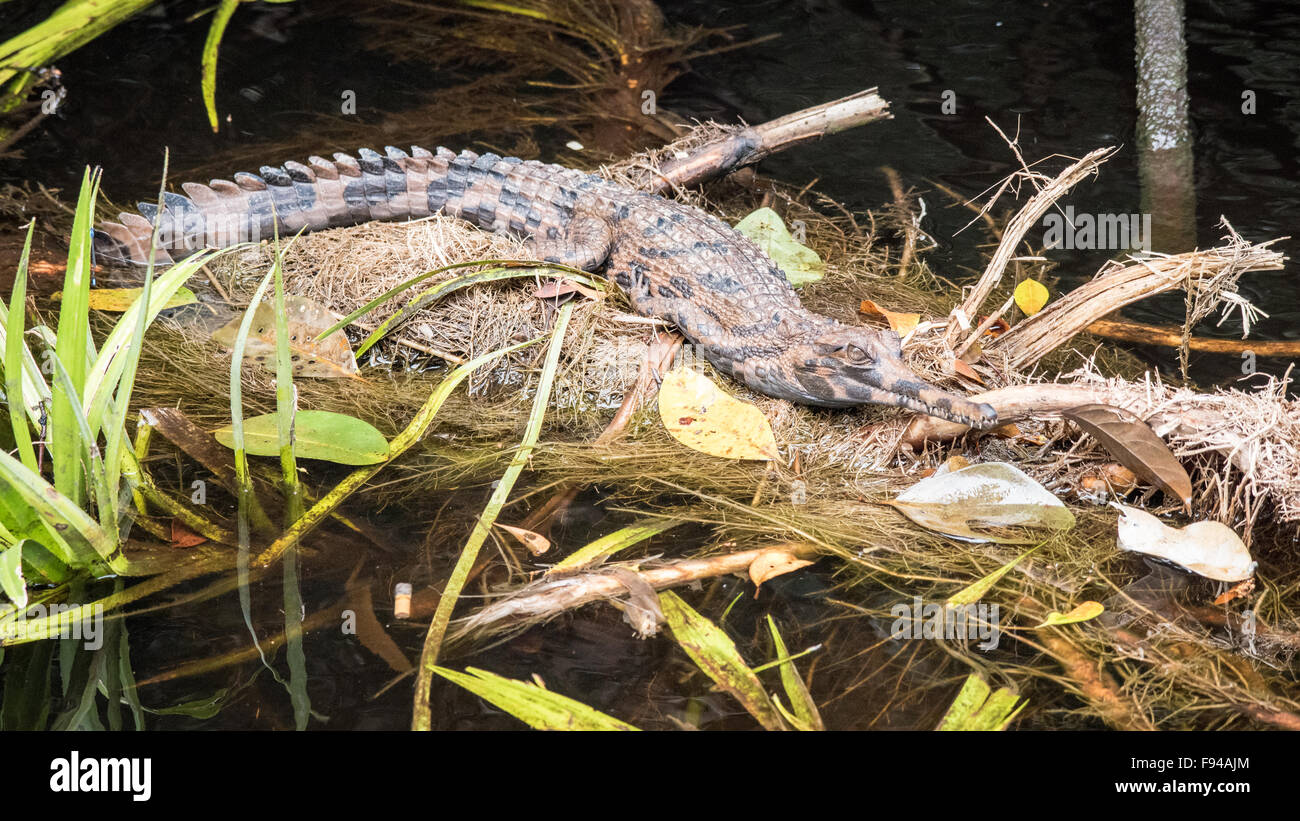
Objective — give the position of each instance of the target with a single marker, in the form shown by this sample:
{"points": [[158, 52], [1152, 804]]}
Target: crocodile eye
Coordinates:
{"points": [[856, 355]]}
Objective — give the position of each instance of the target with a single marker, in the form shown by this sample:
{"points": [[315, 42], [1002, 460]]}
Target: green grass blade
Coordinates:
{"points": [[60, 512], [444, 288], [413, 432], [977, 590], [67, 29], [210, 48], [127, 676], [286, 406], [12, 582], [801, 701], [15, 394], [440, 290], [106, 373], [715, 653], [72, 337], [604, 547], [460, 573], [115, 432], [246, 496], [536, 706], [90, 460]]}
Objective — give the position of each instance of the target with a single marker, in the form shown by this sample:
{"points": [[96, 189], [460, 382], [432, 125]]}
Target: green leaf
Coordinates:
{"points": [[1084, 612], [536, 706], [333, 437], [606, 546], [14, 354], [800, 263], [66, 442], [716, 654], [60, 512], [805, 709], [974, 592], [11, 574], [201, 708], [978, 708]]}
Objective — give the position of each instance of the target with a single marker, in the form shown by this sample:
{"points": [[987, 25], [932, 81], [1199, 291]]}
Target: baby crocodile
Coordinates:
{"points": [[673, 261]]}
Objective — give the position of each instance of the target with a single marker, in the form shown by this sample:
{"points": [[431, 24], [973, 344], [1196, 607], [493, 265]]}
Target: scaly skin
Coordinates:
{"points": [[673, 261]]}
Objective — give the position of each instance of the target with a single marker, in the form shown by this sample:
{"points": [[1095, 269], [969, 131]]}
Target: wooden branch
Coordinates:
{"points": [[1030, 340], [1011, 403], [751, 144], [1026, 218], [1170, 336], [556, 594]]}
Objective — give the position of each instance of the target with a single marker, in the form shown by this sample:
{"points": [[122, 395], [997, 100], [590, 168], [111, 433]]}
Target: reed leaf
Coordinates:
{"points": [[460, 573], [65, 434], [14, 354]]}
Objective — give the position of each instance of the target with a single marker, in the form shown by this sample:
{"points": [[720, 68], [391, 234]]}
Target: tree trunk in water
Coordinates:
{"points": [[1164, 141]]}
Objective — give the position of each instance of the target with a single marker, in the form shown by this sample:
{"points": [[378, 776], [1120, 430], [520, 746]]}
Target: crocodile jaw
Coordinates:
{"points": [[810, 376]]}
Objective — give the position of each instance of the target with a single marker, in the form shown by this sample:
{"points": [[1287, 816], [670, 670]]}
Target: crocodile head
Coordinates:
{"points": [[840, 366]]}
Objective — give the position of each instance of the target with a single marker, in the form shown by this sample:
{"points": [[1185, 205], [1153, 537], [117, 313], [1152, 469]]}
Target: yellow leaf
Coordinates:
{"points": [[703, 417], [118, 300], [1031, 296], [1084, 612], [773, 563], [902, 323]]}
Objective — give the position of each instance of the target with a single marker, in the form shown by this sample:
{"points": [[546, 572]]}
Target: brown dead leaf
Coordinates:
{"points": [[329, 358], [1118, 476], [641, 609], [1239, 590], [1132, 442], [998, 328], [773, 563], [1008, 431], [371, 633], [536, 543], [182, 536], [966, 371], [563, 287], [902, 323]]}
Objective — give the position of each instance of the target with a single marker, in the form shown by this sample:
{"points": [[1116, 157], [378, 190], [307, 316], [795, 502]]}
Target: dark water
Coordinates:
{"points": [[1061, 72]]}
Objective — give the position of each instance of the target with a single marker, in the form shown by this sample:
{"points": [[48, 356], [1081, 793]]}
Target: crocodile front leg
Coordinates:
{"points": [[583, 244]]}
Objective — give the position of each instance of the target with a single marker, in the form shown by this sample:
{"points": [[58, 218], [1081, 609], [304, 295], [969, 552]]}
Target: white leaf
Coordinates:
{"points": [[1211, 549]]}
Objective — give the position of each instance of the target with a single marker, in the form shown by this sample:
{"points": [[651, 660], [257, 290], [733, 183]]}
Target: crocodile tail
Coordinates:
{"points": [[493, 192]]}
